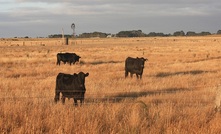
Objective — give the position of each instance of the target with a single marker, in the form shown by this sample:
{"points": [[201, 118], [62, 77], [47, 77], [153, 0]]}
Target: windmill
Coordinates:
{"points": [[73, 27], [62, 33]]}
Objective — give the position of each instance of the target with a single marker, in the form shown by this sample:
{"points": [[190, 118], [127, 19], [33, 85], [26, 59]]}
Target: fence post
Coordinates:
{"points": [[66, 41]]}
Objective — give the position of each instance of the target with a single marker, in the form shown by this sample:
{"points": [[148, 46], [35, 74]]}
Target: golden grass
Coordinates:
{"points": [[178, 92]]}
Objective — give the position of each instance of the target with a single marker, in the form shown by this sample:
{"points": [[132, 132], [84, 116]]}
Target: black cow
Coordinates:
{"points": [[134, 66], [70, 86], [67, 57]]}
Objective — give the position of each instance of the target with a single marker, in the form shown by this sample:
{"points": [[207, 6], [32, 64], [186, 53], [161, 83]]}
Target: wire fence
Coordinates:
{"points": [[122, 97], [113, 100]]}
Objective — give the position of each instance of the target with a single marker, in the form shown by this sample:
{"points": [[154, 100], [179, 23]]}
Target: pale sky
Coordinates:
{"points": [[40, 18]]}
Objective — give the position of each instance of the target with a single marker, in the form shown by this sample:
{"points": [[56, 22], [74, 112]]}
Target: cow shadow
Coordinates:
{"points": [[200, 60], [193, 72], [103, 62], [120, 97], [99, 62]]}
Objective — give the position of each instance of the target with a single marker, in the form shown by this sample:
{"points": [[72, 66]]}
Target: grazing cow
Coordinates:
{"points": [[67, 57], [134, 66], [70, 86]]}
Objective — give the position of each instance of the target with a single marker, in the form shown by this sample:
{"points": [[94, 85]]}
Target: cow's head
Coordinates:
{"points": [[77, 58], [142, 61], [82, 76]]}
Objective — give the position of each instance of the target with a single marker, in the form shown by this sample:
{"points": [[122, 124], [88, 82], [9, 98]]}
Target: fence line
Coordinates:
{"points": [[188, 87], [118, 94], [89, 101]]}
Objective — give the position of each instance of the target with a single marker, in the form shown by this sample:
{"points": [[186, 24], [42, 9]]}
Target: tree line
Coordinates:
{"points": [[134, 33]]}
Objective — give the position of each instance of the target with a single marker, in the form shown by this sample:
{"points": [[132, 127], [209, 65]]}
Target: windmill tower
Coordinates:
{"points": [[62, 32], [64, 40]]}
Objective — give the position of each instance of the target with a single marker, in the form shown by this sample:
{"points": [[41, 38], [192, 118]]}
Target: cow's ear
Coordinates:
{"points": [[87, 74], [137, 58]]}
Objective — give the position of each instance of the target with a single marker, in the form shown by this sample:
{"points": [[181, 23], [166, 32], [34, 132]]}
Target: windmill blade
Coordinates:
{"points": [[73, 27]]}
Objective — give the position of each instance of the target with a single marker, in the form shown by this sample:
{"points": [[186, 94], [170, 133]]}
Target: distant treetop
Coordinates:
{"points": [[134, 33]]}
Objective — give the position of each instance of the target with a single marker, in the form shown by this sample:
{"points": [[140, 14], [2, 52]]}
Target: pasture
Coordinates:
{"points": [[177, 94]]}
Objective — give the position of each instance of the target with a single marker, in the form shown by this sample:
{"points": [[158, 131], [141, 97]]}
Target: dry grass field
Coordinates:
{"points": [[178, 92]]}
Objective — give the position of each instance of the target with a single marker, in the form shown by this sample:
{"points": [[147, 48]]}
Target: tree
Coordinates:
{"points": [[153, 34], [219, 32], [204, 33], [133, 33], [179, 33], [94, 34], [191, 33]]}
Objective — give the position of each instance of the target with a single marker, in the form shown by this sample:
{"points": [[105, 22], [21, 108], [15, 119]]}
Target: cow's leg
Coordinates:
{"points": [[57, 96], [75, 102], [82, 99], [58, 62], [131, 75], [126, 74], [141, 76], [63, 99], [137, 76]]}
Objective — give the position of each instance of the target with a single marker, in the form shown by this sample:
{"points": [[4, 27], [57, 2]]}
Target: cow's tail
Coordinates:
{"points": [[57, 92], [58, 59], [126, 71]]}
